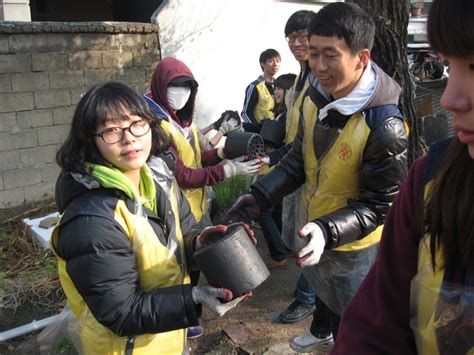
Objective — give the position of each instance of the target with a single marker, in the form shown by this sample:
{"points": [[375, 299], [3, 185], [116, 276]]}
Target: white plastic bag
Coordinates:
{"points": [[63, 332]]}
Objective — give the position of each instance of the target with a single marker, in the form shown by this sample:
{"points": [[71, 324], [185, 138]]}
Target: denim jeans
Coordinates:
{"points": [[270, 222], [304, 292]]}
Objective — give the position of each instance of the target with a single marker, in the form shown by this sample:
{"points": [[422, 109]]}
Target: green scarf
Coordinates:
{"points": [[115, 179]]}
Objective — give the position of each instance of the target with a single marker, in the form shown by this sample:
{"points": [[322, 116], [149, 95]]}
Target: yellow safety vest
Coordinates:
{"points": [[330, 183], [190, 155], [293, 113], [265, 104], [155, 269], [425, 288]]}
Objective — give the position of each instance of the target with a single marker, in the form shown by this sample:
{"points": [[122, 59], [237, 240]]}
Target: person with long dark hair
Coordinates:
{"points": [[125, 240], [419, 295]]}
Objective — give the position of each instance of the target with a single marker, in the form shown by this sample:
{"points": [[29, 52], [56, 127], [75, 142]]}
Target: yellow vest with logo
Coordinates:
{"points": [[330, 183], [265, 104], [155, 270], [190, 154]]}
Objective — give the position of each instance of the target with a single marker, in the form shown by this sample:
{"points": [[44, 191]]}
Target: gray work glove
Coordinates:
{"points": [[229, 125], [209, 296], [238, 166]]}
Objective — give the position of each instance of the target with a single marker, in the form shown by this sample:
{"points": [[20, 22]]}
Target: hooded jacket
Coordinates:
{"points": [[194, 168], [124, 272], [165, 72], [374, 172]]}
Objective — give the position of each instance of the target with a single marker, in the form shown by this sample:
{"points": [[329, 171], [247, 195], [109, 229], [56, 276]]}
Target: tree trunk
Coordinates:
{"points": [[390, 53]]}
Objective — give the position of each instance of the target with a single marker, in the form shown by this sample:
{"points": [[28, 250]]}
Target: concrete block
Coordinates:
{"points": [[63, 115], [7, 122], [10, 160], [132, 75], [50, 61], [1, 182], [85, 59], [141, 87], [118, 59], [97, 76], [34, 119], [97, 42], [21, 178], [5, 83], [4, 44], [12, 198], [21, 139], [42, 235], [52, 98], [76, 95], [50, 173], [144, 58], [40, 192], [52, 135], [152, 41], [16, 102], [15, 63], [132, 41], [38, 157], [30, 81], [27, 43], [65, 42], [66, 79]]}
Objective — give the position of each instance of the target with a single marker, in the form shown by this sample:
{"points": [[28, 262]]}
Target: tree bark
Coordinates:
{"points": [[390, 53]]}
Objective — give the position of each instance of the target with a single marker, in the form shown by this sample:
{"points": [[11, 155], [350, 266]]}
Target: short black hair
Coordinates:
{"points": [[285, 81], [450, 27], [101, 103], [347, 21], [268, 54], [298, 21]]}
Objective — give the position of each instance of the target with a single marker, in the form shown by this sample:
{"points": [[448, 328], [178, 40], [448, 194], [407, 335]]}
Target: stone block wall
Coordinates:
{"points": [[45, 68]]}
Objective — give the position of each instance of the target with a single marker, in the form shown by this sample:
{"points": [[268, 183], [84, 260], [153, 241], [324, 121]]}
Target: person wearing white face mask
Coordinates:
{"points": [[172, 97], [178, 96]]}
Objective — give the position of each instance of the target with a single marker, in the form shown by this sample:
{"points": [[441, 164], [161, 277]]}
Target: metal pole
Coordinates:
{"points": [[27, 328]]}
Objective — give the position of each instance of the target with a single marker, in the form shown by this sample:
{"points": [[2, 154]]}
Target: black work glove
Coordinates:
{"points": [[210, 234], [245, 209]]}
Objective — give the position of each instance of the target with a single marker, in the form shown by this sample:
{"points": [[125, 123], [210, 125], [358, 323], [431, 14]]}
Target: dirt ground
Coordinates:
{"points": [[251, 327]]}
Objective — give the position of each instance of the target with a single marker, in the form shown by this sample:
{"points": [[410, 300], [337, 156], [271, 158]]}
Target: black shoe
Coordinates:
{"points": [[296, 312]]}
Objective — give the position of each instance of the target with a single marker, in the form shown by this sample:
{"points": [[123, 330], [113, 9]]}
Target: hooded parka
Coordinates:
{"points": [[203, 168]]}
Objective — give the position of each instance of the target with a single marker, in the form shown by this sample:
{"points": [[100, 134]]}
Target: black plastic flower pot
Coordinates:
{"points": [[232, 261], [243, 143], [273, 132]]}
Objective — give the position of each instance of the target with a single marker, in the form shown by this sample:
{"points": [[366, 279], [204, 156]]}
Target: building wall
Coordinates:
{"points": [[45, 67], [221, 42]]}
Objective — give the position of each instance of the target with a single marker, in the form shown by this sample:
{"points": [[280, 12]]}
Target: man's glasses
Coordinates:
{"points": [[301, 37], [115, 134]]}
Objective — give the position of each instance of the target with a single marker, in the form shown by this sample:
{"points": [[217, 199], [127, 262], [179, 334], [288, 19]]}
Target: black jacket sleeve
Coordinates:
{"points": [[278, 154], [102, 266], [251, 99], [285, 178], [384, 166]]}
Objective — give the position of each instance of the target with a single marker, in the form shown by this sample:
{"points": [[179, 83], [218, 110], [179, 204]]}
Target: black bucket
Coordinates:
{"points": [[244, 143], [232, 261], [273, 132]]}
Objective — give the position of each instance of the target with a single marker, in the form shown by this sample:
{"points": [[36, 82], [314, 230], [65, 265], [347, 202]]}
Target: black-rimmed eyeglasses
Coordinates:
{"points": [[301, 37], [113, 135]]}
